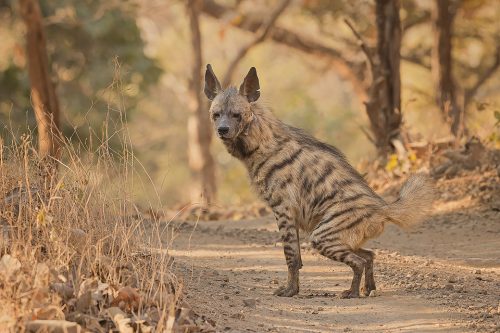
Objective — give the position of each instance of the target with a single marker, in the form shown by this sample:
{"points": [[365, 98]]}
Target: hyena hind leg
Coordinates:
{"points": [[369, 279], [343, 253]]}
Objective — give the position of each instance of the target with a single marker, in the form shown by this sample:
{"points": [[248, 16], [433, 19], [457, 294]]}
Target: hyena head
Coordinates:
{"points": [[230, 111]]}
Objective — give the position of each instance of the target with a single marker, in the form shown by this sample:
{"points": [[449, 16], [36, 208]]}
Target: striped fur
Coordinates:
{"points": [[310, 186]]}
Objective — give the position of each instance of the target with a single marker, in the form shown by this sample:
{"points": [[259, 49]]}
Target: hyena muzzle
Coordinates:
{"points": [[309, 184]]}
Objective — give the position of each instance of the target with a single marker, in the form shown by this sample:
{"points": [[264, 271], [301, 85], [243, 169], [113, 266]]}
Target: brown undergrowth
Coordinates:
{"points": [[74, 255], [443, 161]]}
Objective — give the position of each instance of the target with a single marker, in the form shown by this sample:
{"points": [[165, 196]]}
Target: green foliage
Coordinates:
{"points": [[497, 117], [97, 58]]}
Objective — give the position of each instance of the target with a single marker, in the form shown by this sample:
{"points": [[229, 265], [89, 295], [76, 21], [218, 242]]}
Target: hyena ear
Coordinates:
{"points": [[250, 87], [212, 85]]}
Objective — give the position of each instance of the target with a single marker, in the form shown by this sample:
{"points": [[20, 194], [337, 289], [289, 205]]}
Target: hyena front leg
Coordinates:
{"points": [[291, 247], [334, 249], [369, 279]]}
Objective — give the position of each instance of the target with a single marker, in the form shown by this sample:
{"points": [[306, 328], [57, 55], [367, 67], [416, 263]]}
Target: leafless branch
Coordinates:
{"points": [[345, 69], [486, 75], [368, 135], [413, 22], [364, 47], [416, 60], [257, 40]]}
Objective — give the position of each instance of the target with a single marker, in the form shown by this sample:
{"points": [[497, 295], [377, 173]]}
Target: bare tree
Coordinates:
{"points": [[383, 105], [43, 94], [347, 70], [199, 134], [382, 96], [452, 99], [443, 14], [484, 76]]}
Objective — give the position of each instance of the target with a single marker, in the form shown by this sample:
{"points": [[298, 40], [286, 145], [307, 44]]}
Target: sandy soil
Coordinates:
{"points": [[443, 276]]}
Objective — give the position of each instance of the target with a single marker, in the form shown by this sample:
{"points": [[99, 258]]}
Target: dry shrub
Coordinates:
{"points": [[73, 245]]}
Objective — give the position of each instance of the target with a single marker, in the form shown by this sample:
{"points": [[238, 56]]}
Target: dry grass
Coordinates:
{"points": [[74, 245]]}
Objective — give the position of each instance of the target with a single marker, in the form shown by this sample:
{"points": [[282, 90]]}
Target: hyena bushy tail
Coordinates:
{"points": [[414, 202]]}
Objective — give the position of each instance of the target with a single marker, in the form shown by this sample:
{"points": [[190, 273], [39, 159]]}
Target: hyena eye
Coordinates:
{"points": [[216, 115], [237, 116]]}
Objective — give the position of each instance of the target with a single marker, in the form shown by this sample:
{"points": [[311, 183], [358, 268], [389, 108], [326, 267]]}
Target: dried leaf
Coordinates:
{"points": [[88, 285], [392, 163], [84, 302], [64, 290], [49, 313], [42, 275], [77, 238], [43, 219], [53, 326], [9, 266], [120, 320], [40, 297], [127, 299]]}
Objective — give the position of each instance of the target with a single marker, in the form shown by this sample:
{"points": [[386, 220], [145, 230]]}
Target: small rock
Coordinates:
{"points": [[478, 271], [238, 315], [250, 302], [448, 286], [373, 293], [452, 279], [274, 281]]}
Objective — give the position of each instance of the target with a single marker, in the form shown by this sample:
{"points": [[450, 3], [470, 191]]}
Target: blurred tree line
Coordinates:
{"points": [[395, 58], [96, 61]]}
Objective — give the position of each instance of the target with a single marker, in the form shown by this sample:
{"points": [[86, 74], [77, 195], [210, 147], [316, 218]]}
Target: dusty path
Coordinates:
{"points": [[442, 277]]}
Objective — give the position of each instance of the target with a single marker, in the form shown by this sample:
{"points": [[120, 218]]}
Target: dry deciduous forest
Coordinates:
{"points": [[122, 211]]}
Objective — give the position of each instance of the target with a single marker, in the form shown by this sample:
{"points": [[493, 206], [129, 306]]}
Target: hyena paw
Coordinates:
{"points": [[287, 291], [349, 294], [367, 289]]}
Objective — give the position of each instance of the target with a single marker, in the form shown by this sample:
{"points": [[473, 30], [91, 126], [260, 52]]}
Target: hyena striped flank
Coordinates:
{"points": [[309, 185]]}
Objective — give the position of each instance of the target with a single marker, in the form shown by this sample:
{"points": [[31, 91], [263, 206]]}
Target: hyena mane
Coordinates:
{"points": [[309, 184]]}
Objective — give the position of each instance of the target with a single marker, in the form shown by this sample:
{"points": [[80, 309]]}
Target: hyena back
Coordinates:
{"points": [[309, 185]]}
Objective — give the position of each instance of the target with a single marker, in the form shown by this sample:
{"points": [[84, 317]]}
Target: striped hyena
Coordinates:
{"points": [[309, 184]]}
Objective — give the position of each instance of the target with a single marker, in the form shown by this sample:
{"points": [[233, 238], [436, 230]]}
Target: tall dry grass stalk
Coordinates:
{"points": [[72, 242]]}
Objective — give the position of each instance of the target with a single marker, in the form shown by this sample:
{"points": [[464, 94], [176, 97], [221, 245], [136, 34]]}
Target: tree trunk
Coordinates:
{"points": [[43, 93], [442, 16], [199, 133], [384, 102]]}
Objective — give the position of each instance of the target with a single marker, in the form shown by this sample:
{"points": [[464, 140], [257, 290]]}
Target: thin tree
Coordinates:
{"points": [[43, 94], [199, 133], [383, 105], [443, 14]]}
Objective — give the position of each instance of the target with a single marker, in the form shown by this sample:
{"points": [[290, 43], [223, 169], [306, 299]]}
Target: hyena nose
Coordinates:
{"points": [[223, 130]]}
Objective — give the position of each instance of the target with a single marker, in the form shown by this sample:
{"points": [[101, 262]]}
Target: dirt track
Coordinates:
{"points": [[443, 276]]}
